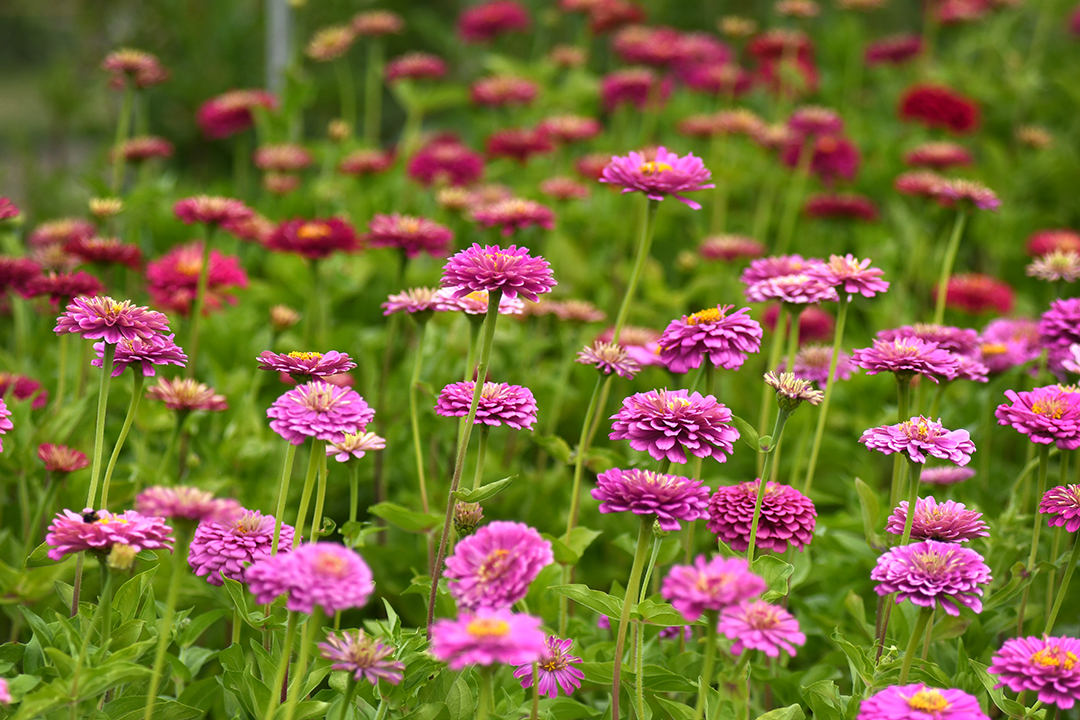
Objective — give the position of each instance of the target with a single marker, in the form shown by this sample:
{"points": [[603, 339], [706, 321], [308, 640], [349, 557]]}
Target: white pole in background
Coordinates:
{"points": [[278, 28]]}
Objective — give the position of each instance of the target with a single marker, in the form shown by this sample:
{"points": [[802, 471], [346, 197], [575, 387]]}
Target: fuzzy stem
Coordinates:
{"points": [[1063, 591], [350, 696], [282, 668], [778, 431], [767, 393], [320, 500], [481, 453], [197, 306], [1044, 463], [179, 563], [710, 661], [648, 226], [354, 490], [947, 266], [300, 674], [644, 533], [283, 495], [136, 396], [830, 382], [317, 448], [484, 700], [912, 501], [913, 642], [99, 428]]}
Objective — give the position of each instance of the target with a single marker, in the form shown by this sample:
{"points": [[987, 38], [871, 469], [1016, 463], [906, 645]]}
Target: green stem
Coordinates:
{"points": [[765, 203], [927, 636], [373, 92], [122, 124], [648, 226], [197, 306], [767, 393], [354, 490], [300, 674], [380, 713], [912, 501], [777, 433], [61, 372], [710, 661], [632, 585], [238, 624], [947, 266], [720, 194], [87, 634], [913, 642], [1044, 463], [320, 500], [347, 91], [481, 453], [414, 418], [136, 396], [282, 668], [793, 338], [484, 701], [283, 495], [1063, 591], [491, 317], [318, 447], [903, 393], [350, 696], [99, 428], [639, 665], [179, 562], [830, 382], [794, 199]]}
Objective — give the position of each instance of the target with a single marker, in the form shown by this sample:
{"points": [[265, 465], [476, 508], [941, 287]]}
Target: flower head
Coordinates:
{"points": [[667, 423], [314, 239], [306, 365], [1049, 666], [363, 656], [564, 188], [637, 86], [776, 266], [920, 702], [975, 294], [446, 160], [730, 247], [1046, 415], [5, 423], [16, 273], [377, 22], [106, 251], [320, 410], [174, 278], [936, 106], [488, 637], [893, 50], [948, 521], [920, 437], [921, 183], [841, 205], [1056, 266], [144, 147], [415, 66], [484, 22], [932, 572], [492, 568], [787, 516], [791, 391], [412, 235], [355, 445], [609, 358], [757, 625], [570, 128], [141, 68], [511, 270], [555, 670], [1045, 242], [725, 338], [187, 503], [797, 289], [98, 531], [503, 90], [959, 341], [710, 585], [144, 352], [232, 112], [833, 156], [186, 394], [474, 303], [102, 318], [670, 498], [24, 388], [850, 275], [224, 548], [1062, 504], [938, 155], [500, 404], [905, 355], [946, 475], [966, 192], [211, 210], [321, 574], [668, 174], [518, 143], [330, 43], [60, 458], [366, 162], [640, 343], [1059, 327], [812, 364]]}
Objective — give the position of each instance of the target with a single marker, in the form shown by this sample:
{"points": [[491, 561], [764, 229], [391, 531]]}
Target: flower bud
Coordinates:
{"points": [[467, 517], [121, 557], [283, 317]]}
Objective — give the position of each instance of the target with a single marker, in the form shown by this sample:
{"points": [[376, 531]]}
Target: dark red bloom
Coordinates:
{"points": [[1045, 242], [655, 46], [841, 205], [518, 143], [105, 251], [8, 209], [834, 156], [232, 112], [815, 325], [23, 388], [634, 86], [936, 106], [446, 160], [63, 286], [716, 78], [893, 50], [174, 278], [314, 239], [366, 162], [15, 272], [974, 293], [608, 15], [487, 21]]}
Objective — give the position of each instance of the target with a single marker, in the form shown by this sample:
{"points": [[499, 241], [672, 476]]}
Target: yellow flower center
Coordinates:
{"points": [[928, 701], [410, 225], [919, 430], [306, 355], [1052, 408], [248, 523], [493, 565], [1052, 656], [708, 315], [653, 168], [313, 231], [994, 348], [488, 627]]}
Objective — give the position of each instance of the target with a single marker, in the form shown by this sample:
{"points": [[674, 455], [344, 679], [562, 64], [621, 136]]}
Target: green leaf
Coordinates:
{"points": [[659, 614], [598, 673], [791, 712], [601, 602], [40, 557], [580, 539], [564, 708], [484, 491], [554, 446], [199, 625], [678, 711], [1017, 580], [405, 519], [131, 707], [1010, 707], [861, 666], [356, 533], [765, 444], [126, 600], [747, 433], [430, 711], [459, 701], [871, 510], [823, 697], [775, 572]]}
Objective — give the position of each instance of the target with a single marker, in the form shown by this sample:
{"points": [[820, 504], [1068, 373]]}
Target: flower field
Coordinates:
{"points": [[576, 360]]}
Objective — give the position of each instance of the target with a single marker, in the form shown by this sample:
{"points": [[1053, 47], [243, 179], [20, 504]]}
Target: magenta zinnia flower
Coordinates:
{"points": [[187, 503], [174, 278], [948, 522], [667, 423], [187, 394], [1062, 504], [57, 458], [354, 446], [314, 239], [5, 423], [102, 318], [555, 670], [500, 403], [411, 235], [492, 568], [961, 341], [321, 574], [306, 365], [225, 549], [513, 215], [211, 210], [475, 303], [413, 300], [812, 364], [787, 516], [1046, 415], [850, 275], [1059, 327], [363, 656], [144, 352], [668, 174], [777, 266], [919, 702], [919, 437], [511, 270], [98, 531], [320, 410], [710, 585], [609, 358], [726, 339], [905, 356], [670, 498], [488, 637], [1049, 666], [932, 572], [484, 22], [798, 289], [445, 159], [945, 475], [757, 625]]}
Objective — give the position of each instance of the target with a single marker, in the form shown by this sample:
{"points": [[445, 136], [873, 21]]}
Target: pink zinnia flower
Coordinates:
{"points": [[413, 300], [893, 50], [1049, 666], [920, 183], [920, 702], [415, 66], [314, 239], [850, 275], [98, 531], [936, 106], [518, 144], [484, 22], [145, 147], [938, 155], [475, 303], [960, 341], [5, 423], [514, 214], [815, 324], [905, 356], [787, 516], [8, 209], [304, 366], [640, 343], [815, 120], [812, 364], [1062, 504], [668, 174], [636, 86], [24, 388], [730, 247], [800, 289], [919, 437], [363, 656], [841, 205], [320, 410], [555, 670], [59, 231], [58, 458], [224, 548], [492, 569], [710, 585], [570, 128], [105, 251], [1046, 415], [102, 318], [5, 692], [932, 572], [1007, 343], [377, 22], [1045, 242], [503, 91], [945, 475], [354, 446], [186, 394], [186, 503], [445, 159], [211, 210], [16, 272], [321, 574], [145, 352], [609, 358], [757, 625], [232, 112], [366, 162], [511, 270], [411, 235], [174, 278], [667, 423], [500, 404], [975, 294], [726, 339], [488, 637], [950, 192], [948, 521], [564, 188], [1059, 327], [670, 498], [776, 266]]}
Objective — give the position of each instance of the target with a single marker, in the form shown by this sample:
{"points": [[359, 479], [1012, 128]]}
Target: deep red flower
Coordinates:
{"points": [[173, 278], [232, 112], [518, 143], [974, 293], [487, 21], [937, 106], [314, 238], [893, 50], [841, 205], [834, 156], [815, 324], [63, 286], [1045, 242], [105, 251], [446, 160]]}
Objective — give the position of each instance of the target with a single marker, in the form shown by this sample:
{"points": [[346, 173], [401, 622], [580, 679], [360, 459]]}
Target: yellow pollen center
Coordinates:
{"points": [[330, 564], [653, 168], [1052, 408], [306, 355], [708, 315], [479, 296], [1053, 657], [410, 225], [928, 701], [488, 627], [994, 348], [493, 565], [313, 231]]}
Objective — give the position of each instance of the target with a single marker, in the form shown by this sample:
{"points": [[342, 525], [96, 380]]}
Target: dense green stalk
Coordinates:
{"points": [[913, 642], [903, 394], [705, 681], [632, 585], [346, 91], [912, 501], [320, 500], [179, 565], [283, 495], [318, 447], [648, 226], [99, 428], [414, 419], [484, 701], [777, 433], [136, 396], [300, 674], [767, 393], [481, 455], [819, 432], [282, 667], [1063, 591], [1044, 463], [947, 266]]}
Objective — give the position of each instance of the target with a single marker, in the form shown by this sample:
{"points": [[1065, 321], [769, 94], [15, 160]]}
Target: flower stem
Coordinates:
{"points": [[1044, 463], [350, 696], [793, 339], [767, 393], [283, 495], [632, 586], [481, 453], [947, 266], [720, 194], [766, 201], [99, 428], [320, 500], [197, 306], [648, 225], [354, 490], [778, 431], [136, 396], [61, 371], [484, 700], [300, 674], [1070, 567], [710, 661], [830, 382], [373, 92], [179, 561], [418, 446], [492, 316], [282, 668], [122, 124], [913, 642], [317, 448], [912, 501], [794, 198], [903, 392]]}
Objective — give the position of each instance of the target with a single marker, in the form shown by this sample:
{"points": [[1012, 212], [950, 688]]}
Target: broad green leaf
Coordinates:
{"points": [[459, 701], [199, 625], [677, 711], [126, 600], [430, 711], [861, 666], [775, 572], [599, 673], [484, 491], [747, 433], [1007, 706], [564, 708], [1017, 580], [580, 539], [601, 602], [40, 557], [791, 712], [554, 446], [871, 510], [659, 613], [823, 697], [405, 519], [131, 707]]}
